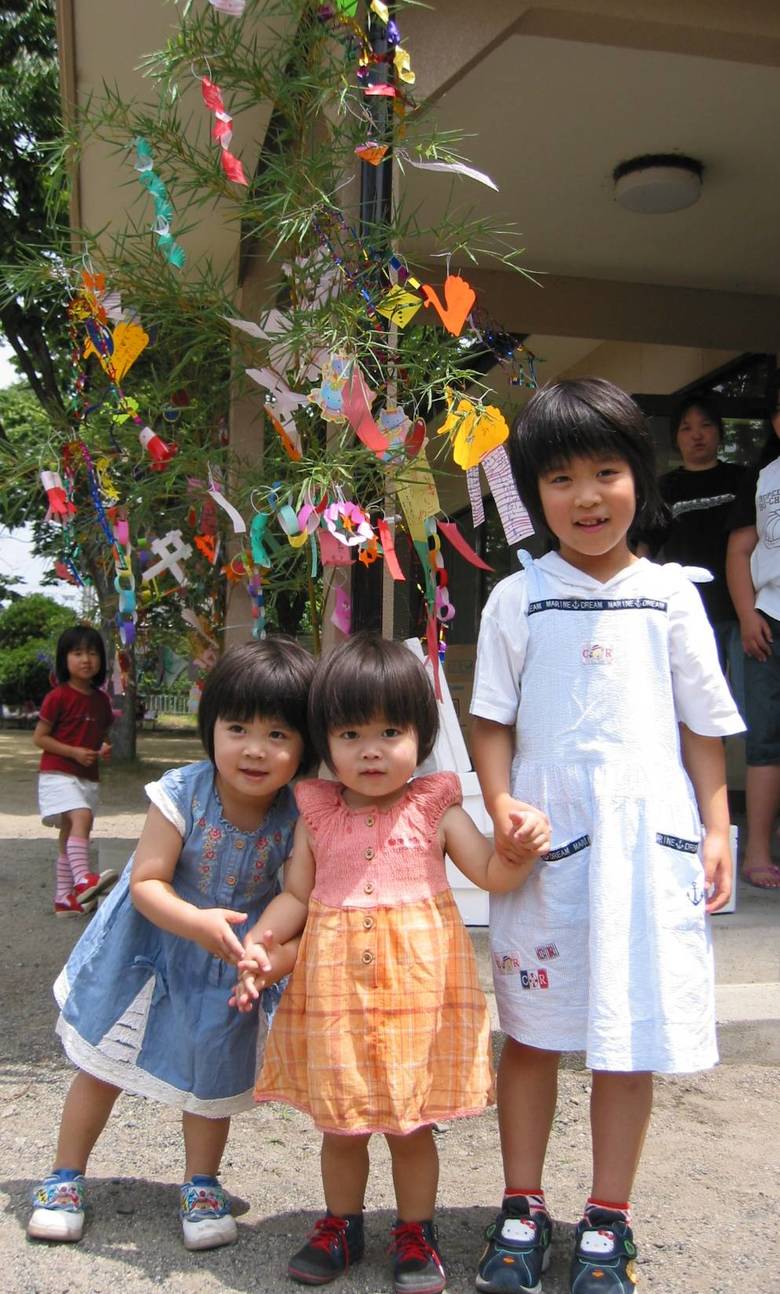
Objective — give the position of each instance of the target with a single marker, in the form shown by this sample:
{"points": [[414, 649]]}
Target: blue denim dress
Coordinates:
{"points": [[147, 1010]]}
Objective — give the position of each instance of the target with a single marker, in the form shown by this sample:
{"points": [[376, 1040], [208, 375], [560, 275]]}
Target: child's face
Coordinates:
{"points": [[256, 757], [82, 662], [589, 505], [374, 760]]}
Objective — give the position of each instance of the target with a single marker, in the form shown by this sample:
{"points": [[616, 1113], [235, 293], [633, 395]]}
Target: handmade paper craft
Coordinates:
{"points": [[417, 495], [332, 551], [163, 207], [215, 491], [450, 530], [454, 168], [347, 522], [514, 517], [120, 349], [234, 8], [388, 550], [356, 404], [59, 504], [159, 452], [399, 306], [171, 552], [221, 131], [459, 297], [371, 152], [474, 431], [341, 615], [329, 395]]}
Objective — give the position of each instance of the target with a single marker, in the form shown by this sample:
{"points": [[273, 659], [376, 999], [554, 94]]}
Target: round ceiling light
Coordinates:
{"points": [[658, 183]]}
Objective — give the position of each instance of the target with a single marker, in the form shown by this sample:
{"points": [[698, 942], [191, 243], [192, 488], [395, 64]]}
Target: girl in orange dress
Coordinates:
{"points": [[384, 1027]]}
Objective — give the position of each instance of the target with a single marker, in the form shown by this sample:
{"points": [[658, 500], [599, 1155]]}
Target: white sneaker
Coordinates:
{"points": [[206, 1219], [59, 1209]]}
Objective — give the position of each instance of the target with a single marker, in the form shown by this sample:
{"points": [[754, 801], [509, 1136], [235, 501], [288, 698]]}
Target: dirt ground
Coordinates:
{"points": [[704, 1201]]}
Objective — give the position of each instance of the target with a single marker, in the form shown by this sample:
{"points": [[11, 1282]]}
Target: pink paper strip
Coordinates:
{"points": [[461, 545]]}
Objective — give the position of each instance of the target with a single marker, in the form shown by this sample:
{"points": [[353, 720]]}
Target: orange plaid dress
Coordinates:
{"points": [[383, 1026]]}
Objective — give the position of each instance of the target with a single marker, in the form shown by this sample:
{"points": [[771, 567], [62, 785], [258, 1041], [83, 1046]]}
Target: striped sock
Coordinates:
{"points": [[63, 883], [607, 1206], [78, 857], [535, 1198]]}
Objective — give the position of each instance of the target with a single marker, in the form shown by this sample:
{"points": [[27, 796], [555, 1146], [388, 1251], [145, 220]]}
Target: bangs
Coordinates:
{"points": [[263, 680]]}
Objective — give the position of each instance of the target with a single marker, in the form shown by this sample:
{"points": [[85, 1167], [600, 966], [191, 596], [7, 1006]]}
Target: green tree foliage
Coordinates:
{"points": [[29, 629]]}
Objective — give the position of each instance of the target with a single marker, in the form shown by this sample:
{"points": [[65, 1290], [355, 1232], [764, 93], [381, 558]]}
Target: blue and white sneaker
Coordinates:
{"points": [[58, 1212], [604, 1260], [518, 1249], [206, 1219]]}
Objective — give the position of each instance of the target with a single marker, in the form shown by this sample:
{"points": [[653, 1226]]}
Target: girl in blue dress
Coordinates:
{"points": [[144, 995]]}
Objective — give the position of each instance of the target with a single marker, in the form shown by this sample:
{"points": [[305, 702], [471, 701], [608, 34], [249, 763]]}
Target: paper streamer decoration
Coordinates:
{"points": [[514, 517], [171, 552], [461, 545], [221, 131], [475, 496], [120, 349], [455, 168], [163, 206], [214, 490], [341, 615], [388, 548], [234, 8]]}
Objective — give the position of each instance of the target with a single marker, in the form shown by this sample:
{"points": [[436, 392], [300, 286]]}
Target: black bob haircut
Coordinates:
{"points": [[708, 404], [269, 679], [366, 676], [71, 640], [583, 418]]}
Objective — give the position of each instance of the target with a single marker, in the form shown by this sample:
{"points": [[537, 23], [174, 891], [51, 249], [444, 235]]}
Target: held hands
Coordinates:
{"points": [[716, 857], [214, 932], [257, 968], [521, 832]]}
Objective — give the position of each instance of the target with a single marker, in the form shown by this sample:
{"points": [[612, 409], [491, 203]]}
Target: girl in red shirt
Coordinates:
{"points": [[71, 731]]}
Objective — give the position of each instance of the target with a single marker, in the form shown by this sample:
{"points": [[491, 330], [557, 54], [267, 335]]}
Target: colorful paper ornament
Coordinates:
{"points": [[222, 130], [347, 522], [120, 349], [171, 551], [159, 452], [163, 206], [474, 430], [59, 504], [459, 297]]}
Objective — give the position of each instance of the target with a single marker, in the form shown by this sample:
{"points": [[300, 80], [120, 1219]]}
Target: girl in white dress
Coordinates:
{"points": [[598, 697]]}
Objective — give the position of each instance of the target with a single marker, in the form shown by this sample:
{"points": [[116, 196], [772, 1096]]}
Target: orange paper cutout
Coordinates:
{"points": [[459, 296]]}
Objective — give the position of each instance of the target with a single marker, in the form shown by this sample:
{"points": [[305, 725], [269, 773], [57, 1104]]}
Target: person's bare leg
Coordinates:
{"points": [[762, 801], [84, 1116], [204, 1144], [415, 1174], [620, 1106], [344, 1163], [527, 1095]]}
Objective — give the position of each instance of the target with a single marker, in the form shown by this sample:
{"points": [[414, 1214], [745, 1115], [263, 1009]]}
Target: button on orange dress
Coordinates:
{"points": [[383, 1026]]}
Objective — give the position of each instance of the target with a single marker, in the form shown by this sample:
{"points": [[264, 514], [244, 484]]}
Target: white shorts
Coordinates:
{"points": [[59, 792]]}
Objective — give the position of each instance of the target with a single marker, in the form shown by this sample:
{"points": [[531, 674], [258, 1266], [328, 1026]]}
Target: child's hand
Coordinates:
{"points": [[84, 756], [105, 750], [520, 831], [215, 933], [531, 831], [716, 857], [245, 992]]}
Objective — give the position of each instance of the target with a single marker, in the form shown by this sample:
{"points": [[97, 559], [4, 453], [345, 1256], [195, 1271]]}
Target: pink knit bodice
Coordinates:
{"points": [[367, 858]]}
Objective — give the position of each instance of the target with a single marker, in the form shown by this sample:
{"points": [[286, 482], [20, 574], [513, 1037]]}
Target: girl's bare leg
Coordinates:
{"points": [[415, 1174], [344, 1162], [84, 1116], [527, 1095], [204, 1144], [620, 1106]]}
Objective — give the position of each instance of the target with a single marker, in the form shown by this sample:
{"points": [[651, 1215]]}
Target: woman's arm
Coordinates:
{"points": [[705, 763], [473, 855], [152, 893], [756, 634], [44, 741]]}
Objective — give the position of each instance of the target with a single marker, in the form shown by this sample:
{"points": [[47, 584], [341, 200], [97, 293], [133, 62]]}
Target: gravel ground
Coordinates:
{"points": [[707, 1188]]}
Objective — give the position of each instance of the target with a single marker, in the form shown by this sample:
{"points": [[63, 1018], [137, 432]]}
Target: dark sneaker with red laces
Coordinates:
{"points": [[604, 1259], [517, 1250], [334, 1244], [417, 1266]]}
